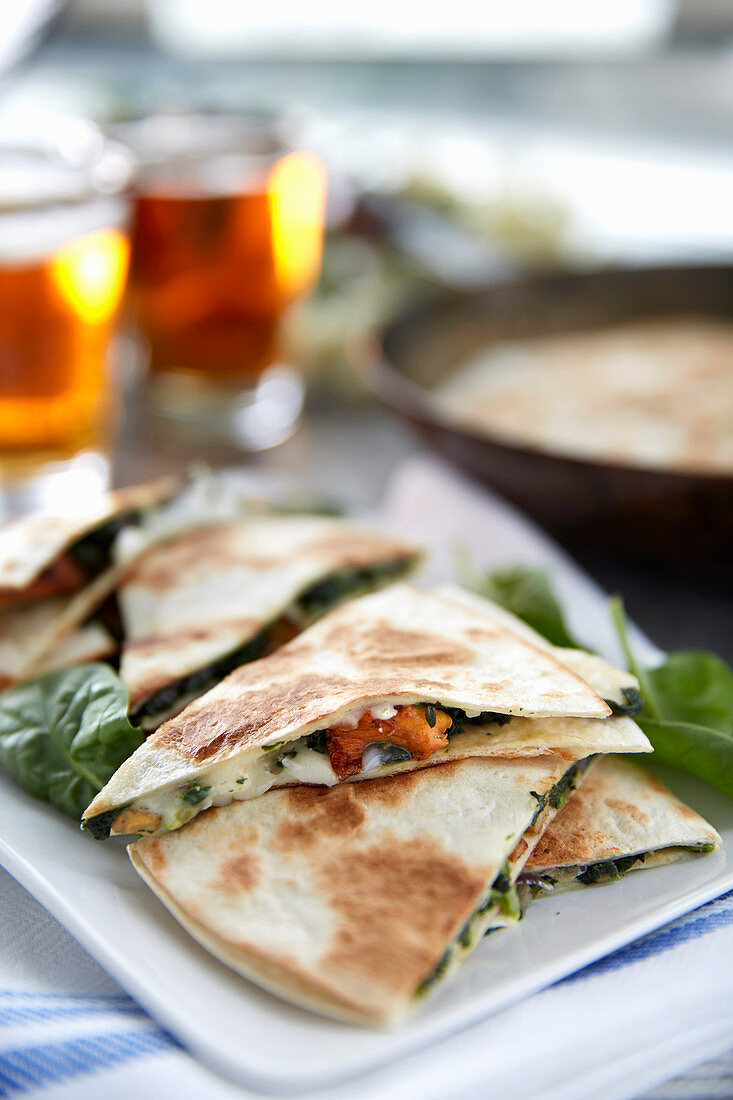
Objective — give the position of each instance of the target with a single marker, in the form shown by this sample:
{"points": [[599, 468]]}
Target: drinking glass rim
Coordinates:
{"points": [[105, 171], [190, 137]]}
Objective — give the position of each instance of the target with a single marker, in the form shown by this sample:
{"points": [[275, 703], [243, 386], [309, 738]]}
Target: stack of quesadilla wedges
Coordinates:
{"points": [[399, 680], [357, 901], [196, 605], [341, 793], [342, 820], [354, 900], [55, 571]]}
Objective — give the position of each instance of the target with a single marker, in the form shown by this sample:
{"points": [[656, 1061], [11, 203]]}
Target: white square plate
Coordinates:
{"points": [[258, 1041]]}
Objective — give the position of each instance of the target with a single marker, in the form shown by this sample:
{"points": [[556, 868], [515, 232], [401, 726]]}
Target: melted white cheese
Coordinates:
{"points": [[254, 773], [249, 777]]}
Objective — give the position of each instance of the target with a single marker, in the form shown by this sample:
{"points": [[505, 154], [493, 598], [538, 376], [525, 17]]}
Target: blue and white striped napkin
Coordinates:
{"points": [[612, 1031]]}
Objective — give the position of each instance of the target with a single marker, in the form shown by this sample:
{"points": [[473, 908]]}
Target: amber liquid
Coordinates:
{"points": [[213, 275], [55, 319]]}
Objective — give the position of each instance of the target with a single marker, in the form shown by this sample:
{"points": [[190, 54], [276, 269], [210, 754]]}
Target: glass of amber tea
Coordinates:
{"points": [[63, 264], [227, 237]]}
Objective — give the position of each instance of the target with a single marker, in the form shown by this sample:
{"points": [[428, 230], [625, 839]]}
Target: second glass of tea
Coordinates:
{"points": [[227, 236]]}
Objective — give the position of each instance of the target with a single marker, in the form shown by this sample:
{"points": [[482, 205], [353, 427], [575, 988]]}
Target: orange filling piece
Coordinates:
{"points": [[281, 632], [64, 576], [409, 729]]}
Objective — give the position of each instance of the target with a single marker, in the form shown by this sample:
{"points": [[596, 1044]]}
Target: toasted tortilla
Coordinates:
{"points": [[355, 901], [31, 634], [395, 648], [206, 593], [33, 627], [30, 544], [620, 812], [91, 642], [610, 682]]}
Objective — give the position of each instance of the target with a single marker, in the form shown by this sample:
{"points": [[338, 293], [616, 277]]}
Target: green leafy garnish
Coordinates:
{"points": [[63, 735], [688, 708], [528, 594], [684, 706], [430, 716]]}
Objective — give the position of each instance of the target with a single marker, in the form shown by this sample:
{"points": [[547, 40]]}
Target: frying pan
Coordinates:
{"points": [[666, 518]]}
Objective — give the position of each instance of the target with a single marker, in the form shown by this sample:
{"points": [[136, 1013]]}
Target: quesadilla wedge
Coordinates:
{"points": [[621, 820], [45, 555], [30, 635], [618, 686], [91, 642], [199, 604], [55, 572], [394, 681], [355, 901]]}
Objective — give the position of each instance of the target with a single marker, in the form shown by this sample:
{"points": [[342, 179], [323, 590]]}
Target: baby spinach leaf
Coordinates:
{"points": [[687, 711], [528, 593], [688, 708], [63, 735]]}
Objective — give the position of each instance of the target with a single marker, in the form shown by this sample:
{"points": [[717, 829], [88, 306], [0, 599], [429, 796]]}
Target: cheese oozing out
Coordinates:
{"points": [[259, 770]]}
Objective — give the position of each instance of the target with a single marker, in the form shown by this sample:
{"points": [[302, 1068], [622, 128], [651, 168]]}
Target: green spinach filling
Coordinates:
{"points": [[460, 720], [558, 795], [617, 868], [347, 583], [609, 869], [317, 742], [194, 793], [202, 679], [700, 849], [100, 825], [631, 707], [502, 894], [437, 973], [94, 551], [308, 604]]}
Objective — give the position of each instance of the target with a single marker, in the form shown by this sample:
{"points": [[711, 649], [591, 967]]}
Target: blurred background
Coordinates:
{"points": [[290, 236]]}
